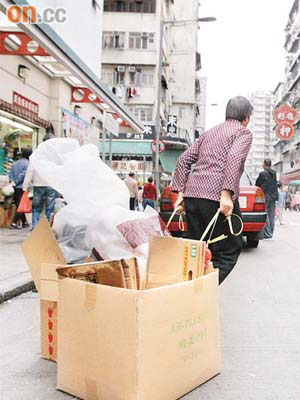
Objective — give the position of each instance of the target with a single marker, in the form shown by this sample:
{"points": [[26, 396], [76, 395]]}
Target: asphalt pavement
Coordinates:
{"points": [[260, 331]]}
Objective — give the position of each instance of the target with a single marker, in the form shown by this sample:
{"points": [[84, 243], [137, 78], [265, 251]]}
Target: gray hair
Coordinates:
{"points": [[238, 108]]}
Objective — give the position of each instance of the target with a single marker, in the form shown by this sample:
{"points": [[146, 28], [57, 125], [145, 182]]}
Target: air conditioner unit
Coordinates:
{"points": [[121, 68], [131, 68]]}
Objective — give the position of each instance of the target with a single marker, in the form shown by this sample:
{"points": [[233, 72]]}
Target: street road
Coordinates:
{"points": [[260, 329]]}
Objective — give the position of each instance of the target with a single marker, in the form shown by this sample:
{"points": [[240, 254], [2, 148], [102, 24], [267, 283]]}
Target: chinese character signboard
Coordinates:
{"points": [[172, 126], [285, 116], [148, 134]]}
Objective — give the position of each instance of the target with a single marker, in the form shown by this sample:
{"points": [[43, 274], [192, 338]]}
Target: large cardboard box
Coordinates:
{"points": [[126, 344], [40, 248]]}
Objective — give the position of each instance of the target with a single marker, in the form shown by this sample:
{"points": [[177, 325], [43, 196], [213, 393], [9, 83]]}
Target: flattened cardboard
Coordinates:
{"points": [[173, 260], [137, 345], [41, 247]]}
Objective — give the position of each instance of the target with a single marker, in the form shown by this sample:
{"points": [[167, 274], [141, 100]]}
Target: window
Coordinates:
{"points": [[144, 114], [133, 6], [181, 112], [118, 77], [141, 40], [113, 40], [107, 77], [142, 77]]}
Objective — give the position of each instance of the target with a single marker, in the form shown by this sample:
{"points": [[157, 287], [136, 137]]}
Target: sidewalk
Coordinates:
{"points": [[15, 277]]}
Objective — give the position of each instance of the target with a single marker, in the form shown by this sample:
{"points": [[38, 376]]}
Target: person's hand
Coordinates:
{"points": [[12, 183], [179, 204], [25, 190], [226, 204]]}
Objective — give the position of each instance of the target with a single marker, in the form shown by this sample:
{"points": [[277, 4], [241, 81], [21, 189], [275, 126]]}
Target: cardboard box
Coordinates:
{"points": [[127, 344], [40, 248], [173, 260]]}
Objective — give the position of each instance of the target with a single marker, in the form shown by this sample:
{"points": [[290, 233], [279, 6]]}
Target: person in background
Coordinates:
{"points": [[288, 200], [268, 182], [280, 203], [140, 199], [43, 195], [149, 194], [132, 185], [207, 178], [16, 177]]}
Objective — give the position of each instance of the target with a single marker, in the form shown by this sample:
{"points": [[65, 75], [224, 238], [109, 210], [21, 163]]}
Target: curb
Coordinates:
{"points": [[26, 287]]}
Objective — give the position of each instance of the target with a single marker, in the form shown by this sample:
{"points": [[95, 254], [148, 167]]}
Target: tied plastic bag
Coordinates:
{"points": [[25, 204], [86, 184]]}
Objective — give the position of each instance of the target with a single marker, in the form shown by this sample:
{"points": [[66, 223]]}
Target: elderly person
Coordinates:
{"points": [[207, 180]]}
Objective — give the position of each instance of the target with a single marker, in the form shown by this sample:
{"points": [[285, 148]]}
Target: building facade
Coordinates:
{"points": [[134, 32], [261, 125], [201, 99], [287, 152], [48, 83]]}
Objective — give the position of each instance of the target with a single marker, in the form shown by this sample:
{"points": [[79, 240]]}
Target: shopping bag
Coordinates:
{"points": [[24, 205]]}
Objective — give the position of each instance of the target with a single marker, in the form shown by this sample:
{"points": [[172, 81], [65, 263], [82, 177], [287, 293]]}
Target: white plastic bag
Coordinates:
{"points": [[116, 232], [78, 173], [8, 190], [86, 183]]}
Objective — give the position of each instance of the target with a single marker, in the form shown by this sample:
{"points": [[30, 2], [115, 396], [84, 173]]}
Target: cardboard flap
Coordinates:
{"points": [[172, 260], [41, 247]]}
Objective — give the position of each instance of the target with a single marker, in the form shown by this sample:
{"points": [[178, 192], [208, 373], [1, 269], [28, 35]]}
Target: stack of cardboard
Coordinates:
{"points": [[124, 343]]}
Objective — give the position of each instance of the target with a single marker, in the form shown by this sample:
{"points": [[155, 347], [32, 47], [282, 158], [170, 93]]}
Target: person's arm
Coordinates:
{"points": [[232, 173], [28, 177], [184, 165]]}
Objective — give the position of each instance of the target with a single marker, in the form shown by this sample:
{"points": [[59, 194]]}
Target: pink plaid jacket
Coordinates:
{"points": [[214, 162]]}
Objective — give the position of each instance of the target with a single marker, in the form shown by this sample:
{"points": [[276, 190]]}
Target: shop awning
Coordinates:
{"points": [[168, 160], [128, 148], [54, 45]]}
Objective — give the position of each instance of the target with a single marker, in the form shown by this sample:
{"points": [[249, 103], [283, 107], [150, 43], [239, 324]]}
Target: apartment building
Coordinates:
{"points": [[261, 125], [201, 99], [134, 31], [287, 153]]}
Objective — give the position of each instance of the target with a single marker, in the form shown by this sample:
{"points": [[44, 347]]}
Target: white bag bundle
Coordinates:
{"points": [[86, 183]]}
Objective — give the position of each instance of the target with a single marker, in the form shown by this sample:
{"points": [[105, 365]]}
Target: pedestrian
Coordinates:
{"points": [[16, 178], [140, 198], [43, 195], [132, 185], [207, 179], [149, 194], [280, 203], [288, 200], [268, 182]]}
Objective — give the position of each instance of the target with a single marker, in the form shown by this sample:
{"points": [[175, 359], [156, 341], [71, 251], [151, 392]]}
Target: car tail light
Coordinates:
{"points": [[259, 203]]}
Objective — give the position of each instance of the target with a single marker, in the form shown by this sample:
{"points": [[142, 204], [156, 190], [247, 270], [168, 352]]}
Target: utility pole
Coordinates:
{"points": [[158, 102]]}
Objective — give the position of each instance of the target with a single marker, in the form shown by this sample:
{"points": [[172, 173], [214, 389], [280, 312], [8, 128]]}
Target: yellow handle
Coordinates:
{"points": [[213, 224], [180, 222]]}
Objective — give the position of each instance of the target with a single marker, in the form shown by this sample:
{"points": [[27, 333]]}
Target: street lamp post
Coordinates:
{"points": [[158, 100]]}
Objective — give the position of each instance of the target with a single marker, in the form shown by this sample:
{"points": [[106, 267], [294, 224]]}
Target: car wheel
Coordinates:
{"points": [[252, 244]]}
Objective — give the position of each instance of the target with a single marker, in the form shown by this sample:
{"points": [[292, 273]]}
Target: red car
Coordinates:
{"points": [[252, 204]]}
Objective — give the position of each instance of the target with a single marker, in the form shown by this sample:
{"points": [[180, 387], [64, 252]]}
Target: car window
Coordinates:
{"points": [[245, 179]]}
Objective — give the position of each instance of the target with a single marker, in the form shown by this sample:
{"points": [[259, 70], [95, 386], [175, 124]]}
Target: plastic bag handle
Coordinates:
{"points": [[212, 225], [181, 223]]}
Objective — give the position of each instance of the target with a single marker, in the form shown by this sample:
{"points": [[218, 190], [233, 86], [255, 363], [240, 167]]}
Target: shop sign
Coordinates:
{"points": [[172, 126], [74, 127], [131, 166], [147, 134], [25, 104], [285, 116]]}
